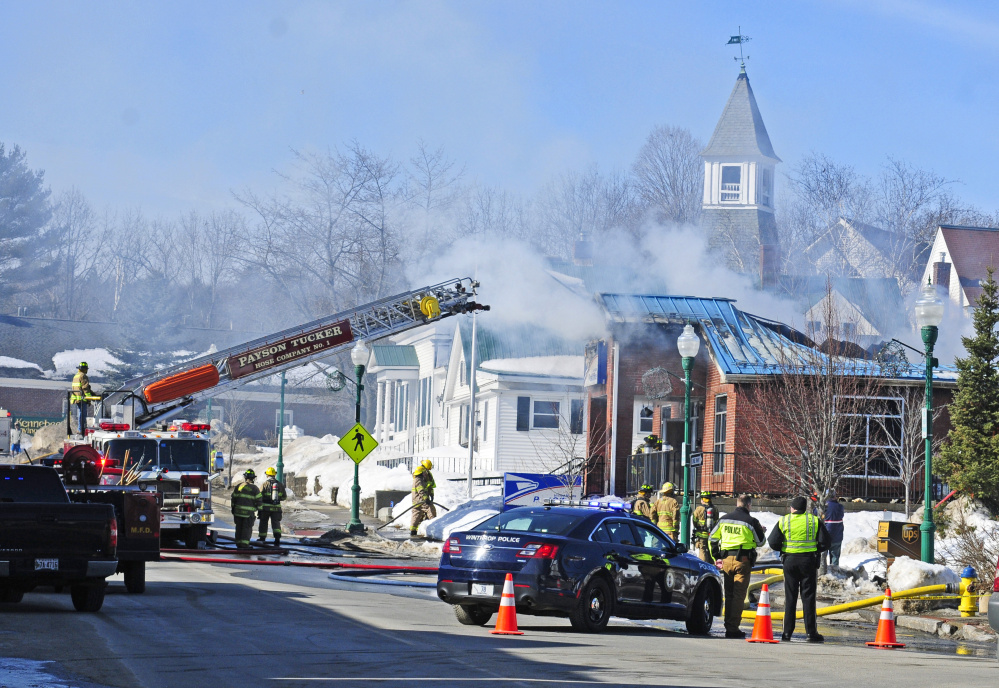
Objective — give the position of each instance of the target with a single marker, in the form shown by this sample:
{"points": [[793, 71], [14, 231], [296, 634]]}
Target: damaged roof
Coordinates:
{"points": [[742, 343]]}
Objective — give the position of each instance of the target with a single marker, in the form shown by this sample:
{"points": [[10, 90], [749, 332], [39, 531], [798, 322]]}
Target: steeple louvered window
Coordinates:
{"points": [[731, 183]]}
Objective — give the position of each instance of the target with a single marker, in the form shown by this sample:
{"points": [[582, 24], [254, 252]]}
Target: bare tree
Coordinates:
{"points": [[811, 415], [328, 243], [217, 241], [669, 174], [235, 424], [77, 253], [434, 178]]}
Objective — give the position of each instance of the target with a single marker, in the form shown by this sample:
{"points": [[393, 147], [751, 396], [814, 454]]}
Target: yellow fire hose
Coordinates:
{"points": [[859, 604]]}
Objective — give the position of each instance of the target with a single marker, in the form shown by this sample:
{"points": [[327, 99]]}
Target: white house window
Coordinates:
{"points": [[463, 425], [644, 419], [289, 419], [546, 414], [731, 183], [765, 187], [462, 377], [485, 422], [426, 401]]}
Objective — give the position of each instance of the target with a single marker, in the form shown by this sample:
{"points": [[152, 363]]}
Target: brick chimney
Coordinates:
{"points": [[769, 258], [941, 272]]}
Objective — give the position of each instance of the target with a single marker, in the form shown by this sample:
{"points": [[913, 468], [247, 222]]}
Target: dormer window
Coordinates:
{"points": [[731, 183]]}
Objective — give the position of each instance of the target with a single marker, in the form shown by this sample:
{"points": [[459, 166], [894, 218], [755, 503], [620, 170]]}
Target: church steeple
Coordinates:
{"points": [[738, 203]]}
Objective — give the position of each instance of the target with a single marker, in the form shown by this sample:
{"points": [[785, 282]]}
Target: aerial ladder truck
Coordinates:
{"points": [[135, 438]]}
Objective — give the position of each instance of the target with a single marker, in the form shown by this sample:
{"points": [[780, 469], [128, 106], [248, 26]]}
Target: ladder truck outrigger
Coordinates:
{"points": [[136, 438]]}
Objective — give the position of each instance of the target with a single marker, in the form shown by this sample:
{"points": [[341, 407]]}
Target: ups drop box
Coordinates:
{"points": [[899, 539]]}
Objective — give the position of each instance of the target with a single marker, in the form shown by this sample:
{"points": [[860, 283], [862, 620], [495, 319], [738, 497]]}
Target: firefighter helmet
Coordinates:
{"points": [[428, 464], [705, 494], [420, 468], [667, 488], [645, 488], [270, 471], [250, 475], [83, 364]]}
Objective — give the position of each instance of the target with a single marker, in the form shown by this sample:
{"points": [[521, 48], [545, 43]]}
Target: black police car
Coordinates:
{"points": [[586, 561]]}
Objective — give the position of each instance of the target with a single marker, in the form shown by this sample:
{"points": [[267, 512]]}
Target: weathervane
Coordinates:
{"points": [[740, 39]]}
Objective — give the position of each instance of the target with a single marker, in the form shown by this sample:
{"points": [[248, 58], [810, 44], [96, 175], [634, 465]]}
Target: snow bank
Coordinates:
{"points": [[65, 362], [465, 516], [8, 362], [557, 366], [321, 456], [907, 573]]}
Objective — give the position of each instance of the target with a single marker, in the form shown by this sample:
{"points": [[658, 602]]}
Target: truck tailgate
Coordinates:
{"points": [[77, 531]]}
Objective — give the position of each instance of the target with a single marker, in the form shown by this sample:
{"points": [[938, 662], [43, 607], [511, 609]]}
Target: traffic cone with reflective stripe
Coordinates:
{"points": [[763, 629], [506, 622], [885, 638]]}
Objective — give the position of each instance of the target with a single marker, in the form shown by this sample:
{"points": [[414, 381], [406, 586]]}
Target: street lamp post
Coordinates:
{"points": [[688, 344], [280, 461], [359, 356], [929, 314]]}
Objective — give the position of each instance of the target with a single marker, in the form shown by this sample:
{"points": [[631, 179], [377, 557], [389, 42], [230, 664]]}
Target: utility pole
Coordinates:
{"points": [[472, 430], [280, 461]]}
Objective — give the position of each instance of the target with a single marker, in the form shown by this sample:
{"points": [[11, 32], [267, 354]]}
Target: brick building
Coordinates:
{"points": [[739, 352]]}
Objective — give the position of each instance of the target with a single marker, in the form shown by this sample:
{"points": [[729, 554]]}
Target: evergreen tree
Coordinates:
{"points": [[25, 232], [969, 460]]}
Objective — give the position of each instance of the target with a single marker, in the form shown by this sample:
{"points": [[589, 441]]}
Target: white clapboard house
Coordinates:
{"points": [[529, 402]]}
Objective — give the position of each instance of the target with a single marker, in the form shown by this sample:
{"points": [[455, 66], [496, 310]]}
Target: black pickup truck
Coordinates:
{"points": [[47, 540]]}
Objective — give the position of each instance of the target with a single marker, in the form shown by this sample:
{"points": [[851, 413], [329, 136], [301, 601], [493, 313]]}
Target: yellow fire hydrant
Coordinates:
{"points": [[968, 606]]}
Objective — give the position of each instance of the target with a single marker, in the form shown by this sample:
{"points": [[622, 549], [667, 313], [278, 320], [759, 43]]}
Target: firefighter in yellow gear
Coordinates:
{"points": [[738, 535], [666, 511], [245, 503], [81, 395], [705, 517], [423, 496], [272, 493], [641, 506]]}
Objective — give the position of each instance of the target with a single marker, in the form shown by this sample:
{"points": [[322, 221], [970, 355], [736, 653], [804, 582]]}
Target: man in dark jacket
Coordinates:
{"points": [[834, 524], [738, 535], [800, 537]]}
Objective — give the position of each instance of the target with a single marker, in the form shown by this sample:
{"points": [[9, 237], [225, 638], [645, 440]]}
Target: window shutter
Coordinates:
{"points": [[576, 417], [523, 414]]}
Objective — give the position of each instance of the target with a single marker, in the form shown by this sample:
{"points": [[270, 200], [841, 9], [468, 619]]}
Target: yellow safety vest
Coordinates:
{"points": [[801, 533], [733, 535]]}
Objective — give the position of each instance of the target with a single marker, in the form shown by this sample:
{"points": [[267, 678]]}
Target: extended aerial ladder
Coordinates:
{"points": [[167, 392]]}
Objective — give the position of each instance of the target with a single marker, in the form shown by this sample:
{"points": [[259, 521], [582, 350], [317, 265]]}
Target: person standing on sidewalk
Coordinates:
{"points": [[423, 498], [704, 518], [800, 537], [834, 524], [15, 439], [739, 534], [666, 512]]}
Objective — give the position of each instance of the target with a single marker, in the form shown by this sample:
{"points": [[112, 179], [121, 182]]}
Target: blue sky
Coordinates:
{"points": [[169, 106]]}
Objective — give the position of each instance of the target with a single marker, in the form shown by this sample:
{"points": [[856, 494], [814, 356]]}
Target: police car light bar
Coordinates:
{"points": [[590, 504]]}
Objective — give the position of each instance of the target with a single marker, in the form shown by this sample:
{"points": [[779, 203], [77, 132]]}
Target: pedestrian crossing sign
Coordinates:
{"points": [[357, 443]]}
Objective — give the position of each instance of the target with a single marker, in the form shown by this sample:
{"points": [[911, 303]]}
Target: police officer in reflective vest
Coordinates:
{"points": [[800, 537], [245, 502], [666, 511], [739, 534], [705, 517], [641, 506], [272, 493]]}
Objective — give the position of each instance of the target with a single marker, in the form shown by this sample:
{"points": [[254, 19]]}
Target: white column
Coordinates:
{"points": [[389, 403], [379, 415]]}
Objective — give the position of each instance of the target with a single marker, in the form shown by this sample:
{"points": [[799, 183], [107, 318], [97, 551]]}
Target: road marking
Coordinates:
{"points": [[438, 679]]}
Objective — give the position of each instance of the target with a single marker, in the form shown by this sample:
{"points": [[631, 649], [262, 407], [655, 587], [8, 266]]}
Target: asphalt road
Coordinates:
{"points": [[236, 625]]}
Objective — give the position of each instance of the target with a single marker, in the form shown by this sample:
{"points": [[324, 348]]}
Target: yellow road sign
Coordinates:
{"points": [[358, 443]]}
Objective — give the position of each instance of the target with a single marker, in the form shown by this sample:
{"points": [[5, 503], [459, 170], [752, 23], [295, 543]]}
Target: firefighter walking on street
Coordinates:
{"points": [[800, 537], [641, 506], [272, 494], [245, 502], [423, 496], [81, 395], [666, 512], [705, 517], [739, 534]]}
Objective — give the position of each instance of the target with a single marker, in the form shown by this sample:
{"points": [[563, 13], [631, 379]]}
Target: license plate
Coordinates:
{"points": [[46, 564], [482, 589]]}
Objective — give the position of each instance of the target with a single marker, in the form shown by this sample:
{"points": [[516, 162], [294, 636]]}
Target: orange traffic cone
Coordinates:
{"points": [[885, 638], [763, 630], [506, 622]]}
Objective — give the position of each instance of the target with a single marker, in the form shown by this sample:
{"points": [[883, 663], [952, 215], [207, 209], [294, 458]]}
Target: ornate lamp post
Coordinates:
{"points": [[688, 344], [359, 356], [929, 314]]}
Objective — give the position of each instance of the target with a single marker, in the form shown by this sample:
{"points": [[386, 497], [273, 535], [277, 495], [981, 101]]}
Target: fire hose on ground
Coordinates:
{"points": [[749, 614]]}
